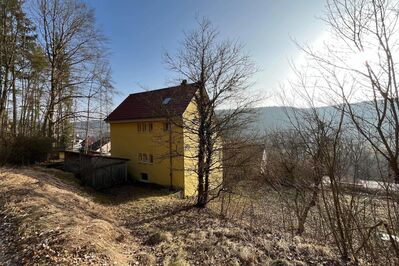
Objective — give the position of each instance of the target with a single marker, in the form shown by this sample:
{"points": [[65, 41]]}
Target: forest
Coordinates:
{"points": [[54, 71]]}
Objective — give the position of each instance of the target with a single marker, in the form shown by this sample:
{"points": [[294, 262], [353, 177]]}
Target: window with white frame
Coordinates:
{"points": [[146, 158]]}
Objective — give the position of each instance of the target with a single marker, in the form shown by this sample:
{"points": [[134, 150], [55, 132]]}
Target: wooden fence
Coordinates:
{"points": [[96, 171]]}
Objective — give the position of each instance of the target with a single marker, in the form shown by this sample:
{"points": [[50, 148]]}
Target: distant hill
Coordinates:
{"points": [[271, 118], [277, 117], [265, 119], [95, 128]]}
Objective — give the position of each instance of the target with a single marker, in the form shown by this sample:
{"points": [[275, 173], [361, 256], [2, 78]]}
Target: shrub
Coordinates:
{"points": [[23, 150], [280, 262], [158, 237], [146, 258]]}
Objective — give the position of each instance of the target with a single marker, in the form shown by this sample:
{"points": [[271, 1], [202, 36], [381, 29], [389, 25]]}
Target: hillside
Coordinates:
{"points": [[264, 119], [96, 128], [270, 118], [47, 218]]}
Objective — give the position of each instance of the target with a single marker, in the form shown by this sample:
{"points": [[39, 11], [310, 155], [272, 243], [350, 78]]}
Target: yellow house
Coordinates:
{"points": [[147, 128]]}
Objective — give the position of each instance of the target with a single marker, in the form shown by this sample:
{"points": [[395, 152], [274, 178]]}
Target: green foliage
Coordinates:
{"points": [[23, 150]]}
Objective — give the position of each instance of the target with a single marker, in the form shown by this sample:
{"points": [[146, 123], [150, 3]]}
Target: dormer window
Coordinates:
{"points": [[166, 100]]}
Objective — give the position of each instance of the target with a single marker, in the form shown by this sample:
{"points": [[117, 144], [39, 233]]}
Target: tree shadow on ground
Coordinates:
{"points": [[111, 196]]}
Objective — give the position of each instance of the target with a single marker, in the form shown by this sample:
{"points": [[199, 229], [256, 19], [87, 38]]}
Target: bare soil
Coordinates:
{"points": [[47, 218]]}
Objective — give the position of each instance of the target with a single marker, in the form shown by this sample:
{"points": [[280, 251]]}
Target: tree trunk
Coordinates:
{"points": [[14, 103], [208, 162], [170, 156], [3, 97], [47, 127], [304, 215], [86, 148], [202, 192], [395, 170], [201, 199]]}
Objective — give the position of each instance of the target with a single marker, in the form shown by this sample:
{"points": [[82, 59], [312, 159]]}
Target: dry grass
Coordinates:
{"points": [[53, 220], [259, 206]]}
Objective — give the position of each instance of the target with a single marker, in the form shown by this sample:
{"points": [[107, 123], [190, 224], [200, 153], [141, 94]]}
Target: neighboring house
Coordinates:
{"points": [[87, 141], [101, 146], [147, 129], [77, 144]]}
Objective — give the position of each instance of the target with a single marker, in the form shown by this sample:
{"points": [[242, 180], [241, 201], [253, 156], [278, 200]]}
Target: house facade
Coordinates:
{"points": [[148, 129]]}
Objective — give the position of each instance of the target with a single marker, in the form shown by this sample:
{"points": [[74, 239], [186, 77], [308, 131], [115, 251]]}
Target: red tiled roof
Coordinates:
{"points": [[149, 104]]}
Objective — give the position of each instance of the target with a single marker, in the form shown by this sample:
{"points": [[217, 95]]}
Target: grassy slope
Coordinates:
{"points": [[47, 218]]}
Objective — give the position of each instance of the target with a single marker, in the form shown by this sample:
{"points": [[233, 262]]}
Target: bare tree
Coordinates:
{"points": [[71, 42], [290, 172], [297, 156], [16, 41], [99, 91], [222, 74], [362, 64], [351, 219]]}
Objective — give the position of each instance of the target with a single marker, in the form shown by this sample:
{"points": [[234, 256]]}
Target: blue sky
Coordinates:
{"points": [[140, 31]]}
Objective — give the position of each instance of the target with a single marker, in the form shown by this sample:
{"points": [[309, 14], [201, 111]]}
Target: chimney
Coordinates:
{"points": [[184, 82]]}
